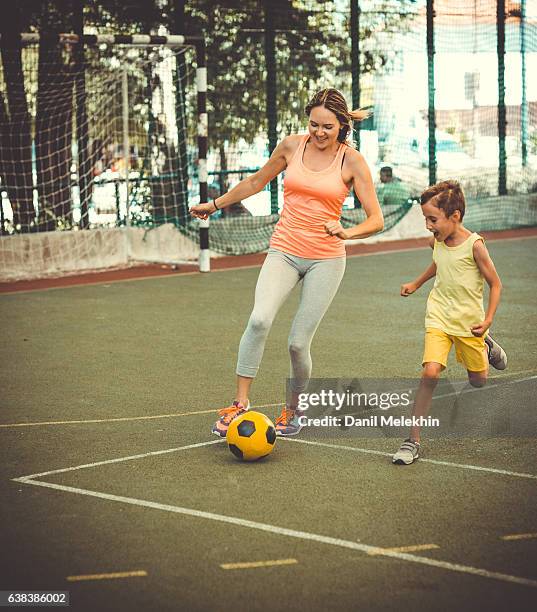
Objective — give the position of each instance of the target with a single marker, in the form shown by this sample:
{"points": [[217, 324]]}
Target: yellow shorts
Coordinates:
{"points": [[470, 351]]}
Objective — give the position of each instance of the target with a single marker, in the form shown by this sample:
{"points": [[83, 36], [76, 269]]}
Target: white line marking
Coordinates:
{"points": [[433, 461], [302, 535], [182, 414], [519, 536], [111, 576], [254, 564], [414, 548], [462, 383], [465, 387], [118, 460], [114, 420], [310, 442], [495, 376], [485, 388], [122, 419]]}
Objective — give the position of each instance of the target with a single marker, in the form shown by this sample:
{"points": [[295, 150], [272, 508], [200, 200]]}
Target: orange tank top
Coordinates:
{"points": [[310, 199]]}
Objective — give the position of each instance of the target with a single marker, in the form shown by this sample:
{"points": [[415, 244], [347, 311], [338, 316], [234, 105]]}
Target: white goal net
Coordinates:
{"points": [[99, 158]]}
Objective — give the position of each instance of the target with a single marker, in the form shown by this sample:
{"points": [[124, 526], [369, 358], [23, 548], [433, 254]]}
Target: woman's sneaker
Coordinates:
{"points": [[408, 453], [496, 354], [287, 424], [226, 416]]}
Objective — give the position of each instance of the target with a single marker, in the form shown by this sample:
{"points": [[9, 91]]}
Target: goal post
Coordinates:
{"points": [[146, 106]]}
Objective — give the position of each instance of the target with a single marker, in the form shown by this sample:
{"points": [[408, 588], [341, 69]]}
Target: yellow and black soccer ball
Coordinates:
{"points": [[251, 436]]}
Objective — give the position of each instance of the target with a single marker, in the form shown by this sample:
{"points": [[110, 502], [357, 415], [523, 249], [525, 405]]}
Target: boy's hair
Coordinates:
{"points": [[447, 195]]}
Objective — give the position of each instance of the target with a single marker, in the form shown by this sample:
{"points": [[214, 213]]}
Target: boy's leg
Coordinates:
{"points": [[435, 354], [472, 352], [424, 395], [409, 451], [478, 379]]}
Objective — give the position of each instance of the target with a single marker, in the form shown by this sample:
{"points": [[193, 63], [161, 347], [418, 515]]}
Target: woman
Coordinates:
{"points": [[307, 244]]}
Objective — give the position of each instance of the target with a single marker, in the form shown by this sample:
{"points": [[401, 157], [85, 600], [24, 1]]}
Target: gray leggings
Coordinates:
{"points": [[279, 274]]}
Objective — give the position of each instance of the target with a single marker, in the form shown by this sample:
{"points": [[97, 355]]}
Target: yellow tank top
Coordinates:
{"points": [[456, 300]]}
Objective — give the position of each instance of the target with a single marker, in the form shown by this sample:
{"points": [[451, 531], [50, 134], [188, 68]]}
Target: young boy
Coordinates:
{"points": [[455, 313]]}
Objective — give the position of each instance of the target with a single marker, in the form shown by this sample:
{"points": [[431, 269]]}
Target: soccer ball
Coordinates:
{"points": [[251, 436]]}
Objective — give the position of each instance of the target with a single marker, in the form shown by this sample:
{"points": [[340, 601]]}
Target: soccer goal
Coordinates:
{"points": [[103, 149]]}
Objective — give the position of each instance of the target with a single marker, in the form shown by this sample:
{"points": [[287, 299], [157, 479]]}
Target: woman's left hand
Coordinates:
{"points": [[334, 228]]}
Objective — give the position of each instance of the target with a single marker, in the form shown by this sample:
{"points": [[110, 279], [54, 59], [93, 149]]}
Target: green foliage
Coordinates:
{"points": [[312, 49], [312, 52]]}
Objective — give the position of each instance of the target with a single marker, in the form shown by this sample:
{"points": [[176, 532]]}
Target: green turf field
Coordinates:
{"points": [[108, 396]]}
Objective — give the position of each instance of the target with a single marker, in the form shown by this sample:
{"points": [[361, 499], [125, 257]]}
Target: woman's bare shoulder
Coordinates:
{"points": [[290, 144], [353, 155], [355, 161], [294, 137], [292, 141]]}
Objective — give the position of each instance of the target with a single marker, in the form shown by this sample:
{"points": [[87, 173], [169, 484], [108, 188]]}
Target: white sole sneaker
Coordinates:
{"points": [[496, 355], [407, 453]]}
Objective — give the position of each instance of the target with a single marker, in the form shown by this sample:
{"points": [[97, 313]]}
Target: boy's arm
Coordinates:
{"points": [[409, 288], [487, 269]]}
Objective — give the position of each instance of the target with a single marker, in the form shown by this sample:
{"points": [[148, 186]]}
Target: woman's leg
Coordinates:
{"points": [[276, 280], [320, 285], [243, 389]]}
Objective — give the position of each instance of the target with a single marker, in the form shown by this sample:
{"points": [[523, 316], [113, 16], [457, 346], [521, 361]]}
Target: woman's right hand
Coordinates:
{"points": [[202, 211]]}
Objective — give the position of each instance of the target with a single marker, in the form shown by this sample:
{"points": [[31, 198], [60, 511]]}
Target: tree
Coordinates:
{"points": [[54, 124], [43, 118], [16, 138], [312, 51]]}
